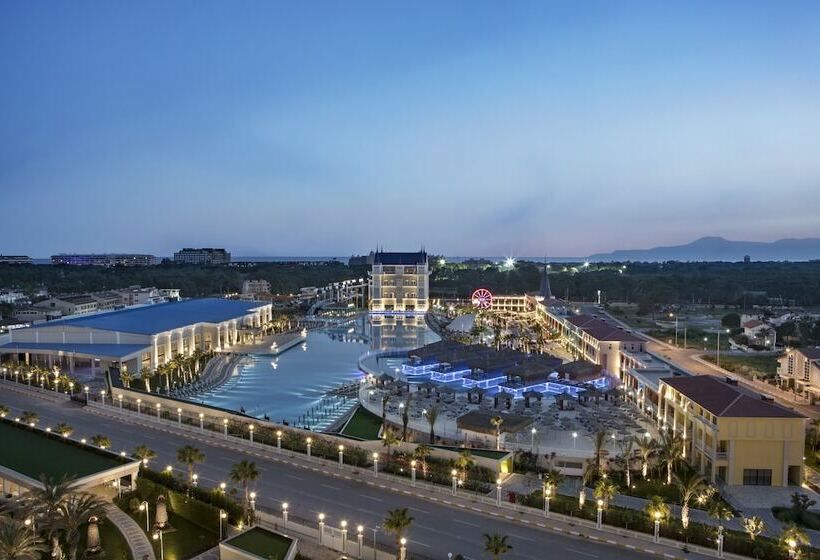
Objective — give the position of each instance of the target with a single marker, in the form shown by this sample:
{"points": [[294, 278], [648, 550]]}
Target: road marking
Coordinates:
{"points": [[522, 538], [294, 476], [421, 544], [466, 523], [330, 486], [371, 498], [576, 551]]}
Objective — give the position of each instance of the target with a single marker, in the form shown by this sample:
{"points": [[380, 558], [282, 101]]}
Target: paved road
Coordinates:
{"points": [[437, 529]]}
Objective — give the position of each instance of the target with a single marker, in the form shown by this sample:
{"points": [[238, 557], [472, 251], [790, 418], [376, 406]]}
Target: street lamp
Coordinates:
{"points": [[85, 390], [341, 455], [375, 464], [792, 548], [309, 441], [144, 507], [284, 513], [532, 440], [547, 497], [119, 398], [413, 472], [657, 516], [102, 395], [360, 538], [195, 479], [321, 527], [600, 514], [344, 536], [403, 549], [676, 326], [158, 536], [159, 407], [250, 432], [718, 346], [202, 422], [454, 474], [574, 438], [279, 439], [222, 516], [498, 492], [225, 427], [179, 416], [720, 542], [139, 406], [169, 470]]}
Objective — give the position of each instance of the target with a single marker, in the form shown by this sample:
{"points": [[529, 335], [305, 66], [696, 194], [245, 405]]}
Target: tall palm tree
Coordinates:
{"points": [[397, 521], [671, 450], [63, 429], [657, 508], [28, 417], [405, 417], [598, 442], [432, 416], [420, 454], [689, 486], [464, 463], [720, 512], [627, 447], [47, 502], [245, 472], [496, 545], [389, 439], [605, 490], [101, 441], [497, 421], [75, 512], [190, 456], [385, 401], [586, 477], [144, 453], [646, 448], [18, 542]]}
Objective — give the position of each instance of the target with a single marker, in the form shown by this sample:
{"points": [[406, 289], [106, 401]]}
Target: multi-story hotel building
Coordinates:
{"points": [[206, 255], [399, 282], [799, 368], [732, 435], [112, 259]]}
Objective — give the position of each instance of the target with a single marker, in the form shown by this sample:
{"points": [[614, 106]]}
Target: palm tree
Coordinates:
{"points": [[28, 417], [605, 490], [496, 545], [385, 401], [432, 416], [657, 509], [101, 441], [64, 429], [689, 486], [126, 379], [4, 411], [190, 456], [397, 521], [244, 473], [646, 448], [792, 538], [18, 542], [552, 480], [598, 441], [405, 417], [721, 513], [420, 454], [627, 447], [671, 450], [75, 512], [389, 439], [586, 477], [464, 463], [47, 502], [496, 421], [144, 453], [753, 526]]}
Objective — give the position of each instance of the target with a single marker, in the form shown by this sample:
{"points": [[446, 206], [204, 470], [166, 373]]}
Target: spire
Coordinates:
{"points": [[545, 291]]}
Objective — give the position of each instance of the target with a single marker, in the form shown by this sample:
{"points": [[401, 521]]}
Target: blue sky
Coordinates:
{"points": [[324, 128]]}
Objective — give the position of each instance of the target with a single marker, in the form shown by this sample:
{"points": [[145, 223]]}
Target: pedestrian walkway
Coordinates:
{"points": [[138, 542]]}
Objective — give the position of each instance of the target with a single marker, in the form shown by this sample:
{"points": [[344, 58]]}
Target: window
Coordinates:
{"points": [[757, 477]]}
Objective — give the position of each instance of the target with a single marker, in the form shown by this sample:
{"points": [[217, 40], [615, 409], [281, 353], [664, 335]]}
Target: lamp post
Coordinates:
{"points": [[454, 474], [85, 390], [225, 427], [532, 440], [279, 440], [144, 507], [250, 432], [792, 549], [574, 438], [222, 516], [720, 542], [158, 536], [321, 527], [102, 395], [547, 497], [600, 514], [309, 441], [718, 347], [119, 398], [375, 464], [202, 422], [158, 407], [222, 487], [139, 407], [657, 516], [195, 479], [344, 536], [179, 416], [676, 326], [360, 538], [403, 549], [413, 472], [341, 455], [498, 492], [284, 515], [252, 497]]}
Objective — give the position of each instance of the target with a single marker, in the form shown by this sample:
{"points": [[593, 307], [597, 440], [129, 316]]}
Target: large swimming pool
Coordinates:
{"points": [[290, 385]]}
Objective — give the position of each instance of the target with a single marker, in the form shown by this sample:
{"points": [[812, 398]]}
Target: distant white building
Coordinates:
{"points": [[254, 287], [11, 296], [70, 305], [169, 294], [205, 255], [399, 282]]}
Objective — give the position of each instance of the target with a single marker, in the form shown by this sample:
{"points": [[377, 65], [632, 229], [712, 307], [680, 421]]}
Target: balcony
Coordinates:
{"points": [[721, 456]]}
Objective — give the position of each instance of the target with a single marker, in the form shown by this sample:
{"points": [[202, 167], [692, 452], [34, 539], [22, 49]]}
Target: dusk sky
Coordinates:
{"points": [[472, 128]]}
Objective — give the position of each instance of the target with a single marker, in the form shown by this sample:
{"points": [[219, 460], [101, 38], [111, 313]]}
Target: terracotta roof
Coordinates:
{"points": [[726, 400], [752, 324]]}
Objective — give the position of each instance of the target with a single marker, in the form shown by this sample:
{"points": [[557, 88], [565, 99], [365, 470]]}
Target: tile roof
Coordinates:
{"points": [[725, 400], [810, 353], [419, 257]]}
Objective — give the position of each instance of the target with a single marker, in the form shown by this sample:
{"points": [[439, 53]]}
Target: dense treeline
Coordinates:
{"points": [[191, 279]]}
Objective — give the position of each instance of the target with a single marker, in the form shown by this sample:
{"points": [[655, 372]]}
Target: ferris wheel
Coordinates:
{"points": [[482, 298]]}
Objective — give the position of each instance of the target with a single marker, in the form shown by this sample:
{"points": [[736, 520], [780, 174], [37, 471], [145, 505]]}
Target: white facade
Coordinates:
{"points": [[253, 287], [400, 282]]}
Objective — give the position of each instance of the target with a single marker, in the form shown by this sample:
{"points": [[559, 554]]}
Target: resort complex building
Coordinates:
{"points": [[205, 255], [15, 259], [733, 435], [254, 287], [399, 282], [112, 259], [139, 337], [799, 369]]}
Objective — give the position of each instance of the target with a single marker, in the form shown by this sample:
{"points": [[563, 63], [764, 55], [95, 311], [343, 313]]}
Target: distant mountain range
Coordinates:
{"points": [[720, 249]]}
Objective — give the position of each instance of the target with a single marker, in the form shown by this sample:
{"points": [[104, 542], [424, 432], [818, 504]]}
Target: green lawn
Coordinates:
{"points": [[262, 543], [114, 545], [185, 540], [35, 454], [363, 425], [747, 366]]}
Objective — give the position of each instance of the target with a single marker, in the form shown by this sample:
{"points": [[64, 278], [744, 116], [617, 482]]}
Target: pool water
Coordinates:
{"points": [[287, 387]]}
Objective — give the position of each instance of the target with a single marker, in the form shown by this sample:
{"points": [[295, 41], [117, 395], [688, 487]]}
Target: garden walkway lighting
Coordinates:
{"points": [[599, 521], [144, 507]]}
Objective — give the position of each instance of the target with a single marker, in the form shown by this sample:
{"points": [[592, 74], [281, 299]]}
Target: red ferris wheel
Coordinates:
{"points": [[482, 298]]}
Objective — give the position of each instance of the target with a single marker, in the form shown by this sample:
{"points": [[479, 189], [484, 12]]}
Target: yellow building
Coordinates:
{"points": [[733, 435]]}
